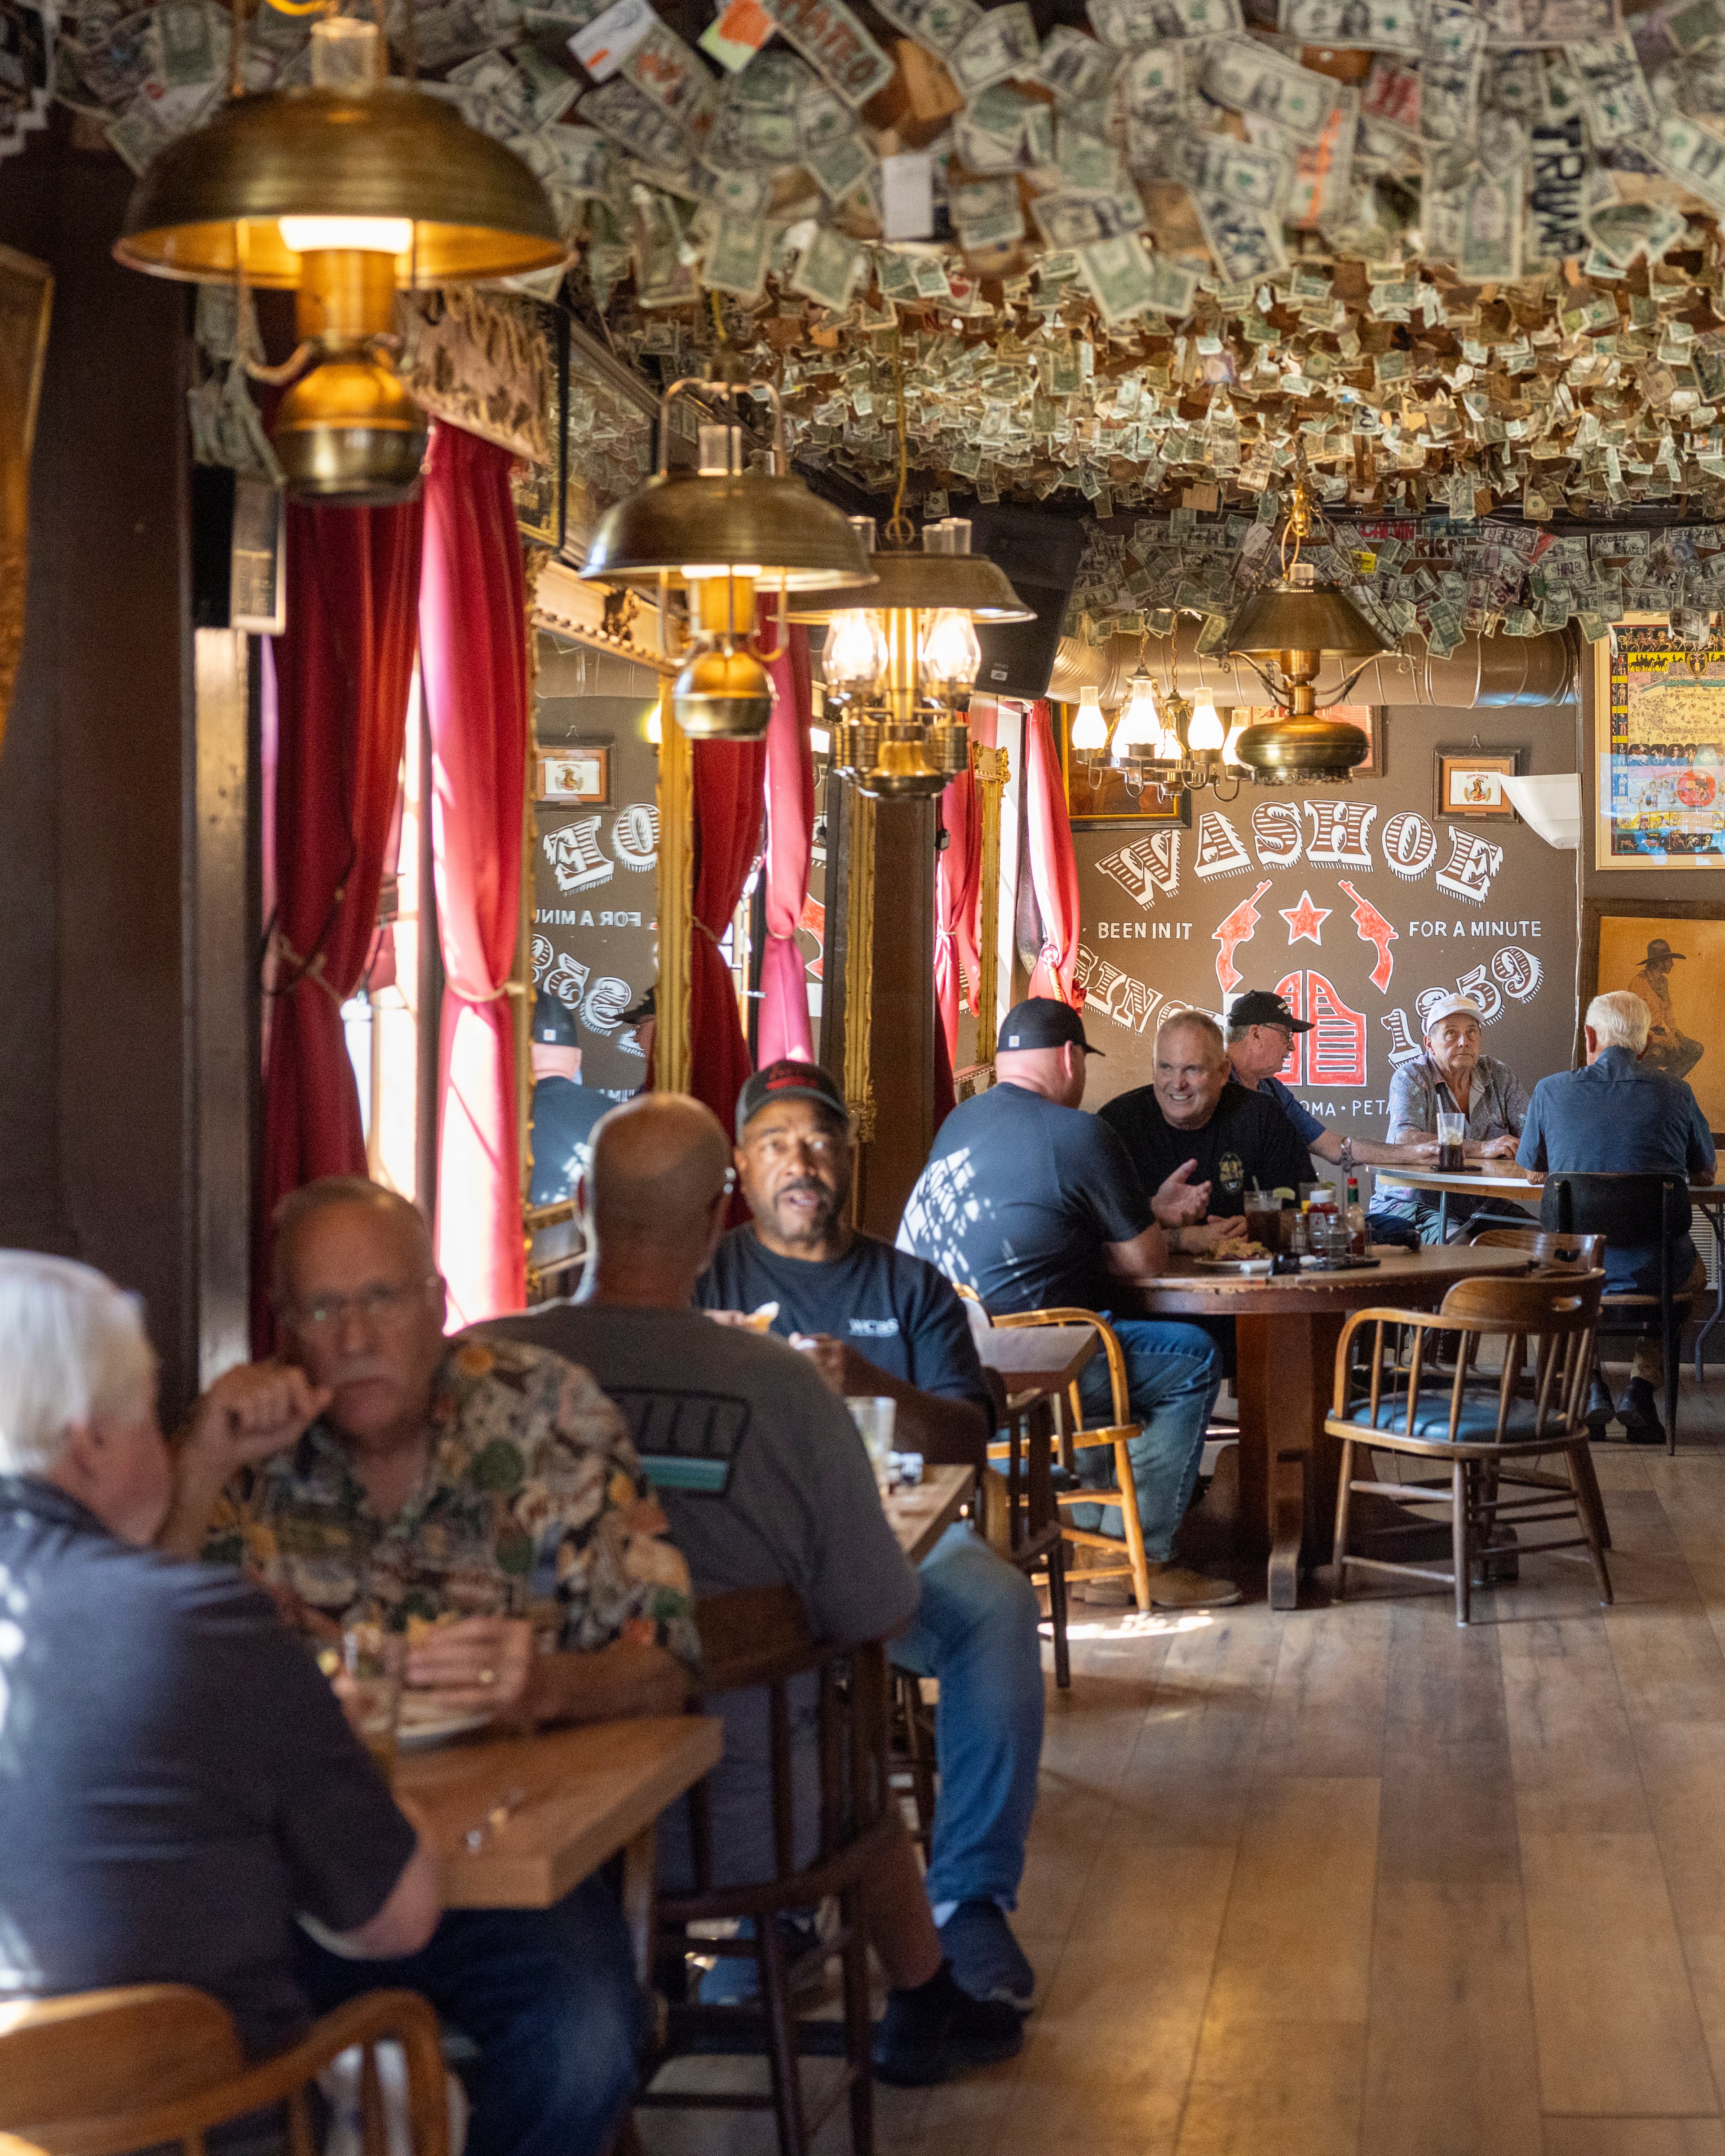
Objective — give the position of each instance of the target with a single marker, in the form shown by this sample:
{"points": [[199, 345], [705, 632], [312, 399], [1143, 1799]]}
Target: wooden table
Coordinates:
{"points": [[920, 1515], [1286, 1328], [1491, 1179], [589, 1793]]}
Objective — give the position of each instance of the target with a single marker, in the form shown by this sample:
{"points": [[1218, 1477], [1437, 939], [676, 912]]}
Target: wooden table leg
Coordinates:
{"points": [[1288, 1467]]}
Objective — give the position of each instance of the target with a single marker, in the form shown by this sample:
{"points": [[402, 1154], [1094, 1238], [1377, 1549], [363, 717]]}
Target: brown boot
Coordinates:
{"points": [[1176, 1587]]}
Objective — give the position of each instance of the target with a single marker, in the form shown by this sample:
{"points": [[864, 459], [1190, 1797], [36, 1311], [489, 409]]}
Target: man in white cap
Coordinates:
{"points": [[1453, 1077]]}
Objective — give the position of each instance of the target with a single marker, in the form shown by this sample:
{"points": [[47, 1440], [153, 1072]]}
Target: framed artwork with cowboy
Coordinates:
{"points": [[1670, 952]]}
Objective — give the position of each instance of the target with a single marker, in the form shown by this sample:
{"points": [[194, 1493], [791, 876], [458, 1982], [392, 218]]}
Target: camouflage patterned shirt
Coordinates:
{"points": [[531, 1492]]}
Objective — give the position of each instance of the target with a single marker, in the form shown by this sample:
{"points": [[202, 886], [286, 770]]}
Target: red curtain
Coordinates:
{"points": [[474, 668], [728, 795], [342, 670], [1053, 866], [958, 872], [784, 1028]]}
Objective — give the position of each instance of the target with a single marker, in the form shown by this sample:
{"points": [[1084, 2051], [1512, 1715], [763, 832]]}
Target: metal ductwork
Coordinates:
{"points": [[1487, 672]]}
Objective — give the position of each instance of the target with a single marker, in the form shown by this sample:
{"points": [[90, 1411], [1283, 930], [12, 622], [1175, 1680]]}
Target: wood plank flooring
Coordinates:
{"points": [[1353, 1882]]}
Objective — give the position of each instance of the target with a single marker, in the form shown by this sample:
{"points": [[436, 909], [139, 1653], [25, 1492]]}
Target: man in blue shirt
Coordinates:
{"points": [[564, 1109], [1617, 1116], [874, 1320], [1037, 1206], [1260, 1032]]}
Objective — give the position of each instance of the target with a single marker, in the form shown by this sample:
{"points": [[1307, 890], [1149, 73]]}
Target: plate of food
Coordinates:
{"points": [[1244, 1258], [423, 1721]]}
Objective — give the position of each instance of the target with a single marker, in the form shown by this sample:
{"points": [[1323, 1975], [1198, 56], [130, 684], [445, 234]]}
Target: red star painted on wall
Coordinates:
{"points": [[1306, 919]]}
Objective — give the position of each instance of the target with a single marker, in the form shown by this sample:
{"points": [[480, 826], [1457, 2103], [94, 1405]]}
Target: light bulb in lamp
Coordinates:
{"points": [[1139, 726], [1204, 734], [655, 728], [951, 656], [1230, 753], [854, 656], [1090, 729]]}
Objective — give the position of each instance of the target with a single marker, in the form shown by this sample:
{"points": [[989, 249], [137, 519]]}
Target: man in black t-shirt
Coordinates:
{"points": [[874, 1320], [1195, 1110], [1036, 1205], [564, 1109]]}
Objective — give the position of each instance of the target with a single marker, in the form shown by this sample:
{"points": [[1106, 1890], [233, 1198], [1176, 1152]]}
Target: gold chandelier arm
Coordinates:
{"points": [[771, 658], [1277, 695], [898, 528], [276, 376]]}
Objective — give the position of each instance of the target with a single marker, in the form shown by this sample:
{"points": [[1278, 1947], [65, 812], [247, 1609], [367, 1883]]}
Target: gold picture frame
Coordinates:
{"points": [[26, 306]]}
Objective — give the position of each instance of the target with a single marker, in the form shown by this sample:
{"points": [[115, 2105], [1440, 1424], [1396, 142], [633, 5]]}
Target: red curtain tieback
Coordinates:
{"points": [[303, 969]]}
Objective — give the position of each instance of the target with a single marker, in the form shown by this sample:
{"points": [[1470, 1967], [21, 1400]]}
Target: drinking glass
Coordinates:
{"points": [[874, 1415], [1263, 1217], [375, 1662], [1452, 1135]]}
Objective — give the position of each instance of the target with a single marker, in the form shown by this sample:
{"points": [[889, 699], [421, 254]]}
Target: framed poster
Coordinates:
{"points": [[577, 771], [1670, 952], [1099, 791], [1469, 782], [1658, 743]]}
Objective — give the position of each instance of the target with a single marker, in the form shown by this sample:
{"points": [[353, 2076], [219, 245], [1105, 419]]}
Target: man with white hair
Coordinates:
{"points": [[1620, 1116], [180, 1783], [1451, 1076]]}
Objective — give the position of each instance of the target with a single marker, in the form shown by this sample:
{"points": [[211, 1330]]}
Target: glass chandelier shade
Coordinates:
{"points": [[1090, 729]]}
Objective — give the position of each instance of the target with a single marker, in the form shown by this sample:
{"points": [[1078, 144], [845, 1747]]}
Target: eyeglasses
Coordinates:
{"points": [[377, 1305], [818, 1145]]}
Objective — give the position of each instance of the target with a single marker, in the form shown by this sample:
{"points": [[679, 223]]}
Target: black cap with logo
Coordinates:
{"points": [[788, 1080], [1043, 1022], [554, 1023], [1258, 1007]]}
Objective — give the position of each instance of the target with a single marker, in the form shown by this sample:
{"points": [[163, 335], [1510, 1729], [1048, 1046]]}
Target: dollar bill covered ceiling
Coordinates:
{"points": [[1134, 257]]}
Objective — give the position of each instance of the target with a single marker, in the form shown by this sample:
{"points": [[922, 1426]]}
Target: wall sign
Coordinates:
{"points": [[1659, 734]]}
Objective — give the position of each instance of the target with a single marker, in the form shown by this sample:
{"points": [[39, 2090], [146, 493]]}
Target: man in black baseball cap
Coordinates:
{"points": [[1260, 1032], [564, 1111], [876, 1320], [1033, 1205]]}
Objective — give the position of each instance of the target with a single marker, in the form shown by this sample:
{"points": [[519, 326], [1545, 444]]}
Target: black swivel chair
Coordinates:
{"points": [[1631, 1211]]}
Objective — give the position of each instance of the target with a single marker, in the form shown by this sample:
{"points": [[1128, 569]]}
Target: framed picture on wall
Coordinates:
{"points": [[1670, 952], [1099, 791], [1469, 782], [1658, 741], [578, 772]]}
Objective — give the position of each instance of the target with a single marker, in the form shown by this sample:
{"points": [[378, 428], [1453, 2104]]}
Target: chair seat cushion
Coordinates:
{"points": [[1476, 1425]]}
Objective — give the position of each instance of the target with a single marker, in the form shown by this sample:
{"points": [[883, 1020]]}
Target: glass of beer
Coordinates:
{"points": [[374, 1661], [1452, 1134], [875, 1415]]}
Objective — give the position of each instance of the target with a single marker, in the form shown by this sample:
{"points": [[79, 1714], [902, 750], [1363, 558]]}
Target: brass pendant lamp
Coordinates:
{"points": [[715, 535], [1292, 626], [342, 192]]}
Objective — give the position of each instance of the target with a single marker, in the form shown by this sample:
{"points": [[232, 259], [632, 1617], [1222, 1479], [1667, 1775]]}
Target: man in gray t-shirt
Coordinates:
{"points": [[764, 1481]]}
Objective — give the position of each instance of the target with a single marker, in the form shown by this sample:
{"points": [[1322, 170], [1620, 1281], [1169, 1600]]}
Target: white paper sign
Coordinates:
{"points": [[908, 195], [606, 43]]}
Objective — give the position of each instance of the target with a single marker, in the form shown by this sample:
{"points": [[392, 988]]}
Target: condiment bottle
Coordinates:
{"points": [[1356, 1218]]}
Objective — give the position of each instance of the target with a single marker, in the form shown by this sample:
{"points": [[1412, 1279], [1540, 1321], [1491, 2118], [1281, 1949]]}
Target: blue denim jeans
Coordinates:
{"points": [[548, 1998], [1173, 1373], [976, 1630]]}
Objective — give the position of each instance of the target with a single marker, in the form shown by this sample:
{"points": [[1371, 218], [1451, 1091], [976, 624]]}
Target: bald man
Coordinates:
{"points": [[372, 1473], [765, 1481]]}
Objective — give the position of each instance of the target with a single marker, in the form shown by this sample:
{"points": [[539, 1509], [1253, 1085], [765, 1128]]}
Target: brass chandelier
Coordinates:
{"points": [[1161, 738], [343, 192]]}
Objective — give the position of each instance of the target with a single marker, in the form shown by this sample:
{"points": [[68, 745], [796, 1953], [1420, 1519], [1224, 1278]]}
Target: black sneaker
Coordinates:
{"points": [[935, 2031], [986, 1960], [1640, 1412], [1601, 1408]]}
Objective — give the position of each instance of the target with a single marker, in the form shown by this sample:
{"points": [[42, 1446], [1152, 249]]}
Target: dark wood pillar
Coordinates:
{"points": [[901, 1019]]}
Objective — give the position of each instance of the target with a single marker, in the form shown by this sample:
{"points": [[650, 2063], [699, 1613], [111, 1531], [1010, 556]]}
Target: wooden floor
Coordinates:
{"points": [[1352, 1883]]}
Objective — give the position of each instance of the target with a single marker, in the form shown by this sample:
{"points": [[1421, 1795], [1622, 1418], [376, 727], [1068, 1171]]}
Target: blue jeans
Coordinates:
{"points": [[549, 1999], [976, 1630], [1173, 1374]]}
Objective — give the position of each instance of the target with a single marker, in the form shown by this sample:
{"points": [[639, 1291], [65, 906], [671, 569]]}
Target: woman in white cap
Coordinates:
{"points": [[1453, 1076]]}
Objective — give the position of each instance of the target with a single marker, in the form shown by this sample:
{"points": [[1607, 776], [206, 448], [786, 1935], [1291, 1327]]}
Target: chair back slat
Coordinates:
{"points": [[301, 2140], [1582, 1254], [1628, 1209], [784, 1787]]}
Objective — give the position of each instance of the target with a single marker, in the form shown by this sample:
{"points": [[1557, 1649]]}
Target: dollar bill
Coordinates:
{"points": [[1245, 242], [1450, 63], [840, 167], [1252, 78], [827, 269], [775, 80], [115, 69], [1154, 98], [1237, 172], [939, 25], [833, 41], [893, 274], [628, 117], [187, 51], [736, 260], [1623, 230], [1086, 163], [1001, 44], [750, 138], [1391, 97], [550, 89], [986, 213], [1076, 68], [1695, 24], [1134, 24], [1692, 154], [822, 116], [157, 117], [742, 195], [1557, 22], [1381, 26], [1491, 242], [1324, 170], [1081, 220], [1558, 165], [1120, 276], [574, 161], [1501, 141], [674, 76], [983, 142], [1614, 91]]}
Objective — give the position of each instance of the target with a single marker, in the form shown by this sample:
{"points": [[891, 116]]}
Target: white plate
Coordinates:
{"points": [[1245, 1268], [420, 1729]]}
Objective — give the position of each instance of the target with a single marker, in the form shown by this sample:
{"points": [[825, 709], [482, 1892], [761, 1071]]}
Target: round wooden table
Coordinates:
{"points": [[1286, 1328], [1491, 1179]]}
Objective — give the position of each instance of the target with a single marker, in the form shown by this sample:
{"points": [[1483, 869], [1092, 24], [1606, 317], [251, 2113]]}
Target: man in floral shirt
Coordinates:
{"points": [[378, 1471]]}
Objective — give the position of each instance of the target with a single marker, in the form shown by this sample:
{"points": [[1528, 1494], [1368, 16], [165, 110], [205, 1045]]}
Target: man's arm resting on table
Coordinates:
{"points": [[409, 1917], [1146, 1254], [490, 1665], [1368, 1153]]}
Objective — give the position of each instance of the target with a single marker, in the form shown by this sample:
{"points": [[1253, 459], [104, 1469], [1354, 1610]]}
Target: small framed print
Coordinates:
{"points": [[1470, 783], [579, 773]]}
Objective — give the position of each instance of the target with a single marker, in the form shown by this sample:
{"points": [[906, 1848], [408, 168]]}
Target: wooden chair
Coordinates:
{"points": [[758, 1639], [102, 2072], [1489, 1443], [1632, 1211]]}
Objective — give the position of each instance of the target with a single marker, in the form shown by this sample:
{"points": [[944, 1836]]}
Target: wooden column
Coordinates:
{"points": [[676, 901], [901, 1015]]}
